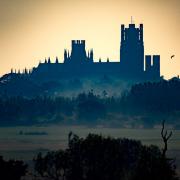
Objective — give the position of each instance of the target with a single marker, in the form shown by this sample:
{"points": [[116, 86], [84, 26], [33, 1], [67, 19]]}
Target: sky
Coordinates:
{"points": [[31, 30]]}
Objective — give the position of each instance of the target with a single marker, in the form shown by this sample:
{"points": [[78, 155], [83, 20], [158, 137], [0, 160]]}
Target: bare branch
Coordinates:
{"points": [[162, 130], [170, 134], [165, 137]]}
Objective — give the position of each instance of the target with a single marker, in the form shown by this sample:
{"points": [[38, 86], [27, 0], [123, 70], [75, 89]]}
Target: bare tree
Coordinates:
{"points": [[165, 136]]}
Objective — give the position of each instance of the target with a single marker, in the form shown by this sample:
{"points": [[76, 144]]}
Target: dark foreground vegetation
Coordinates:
{"points": [[97, 158], [12, 169], [105, 158], [141, 105]]}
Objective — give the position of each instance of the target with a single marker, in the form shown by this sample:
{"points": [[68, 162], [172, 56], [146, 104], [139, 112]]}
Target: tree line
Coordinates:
{"points": [[142, 99]]}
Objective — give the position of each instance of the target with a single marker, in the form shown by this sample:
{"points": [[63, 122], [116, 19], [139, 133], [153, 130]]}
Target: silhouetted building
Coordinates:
{"points": [[132, 49], [133, 65], [152, 68]]}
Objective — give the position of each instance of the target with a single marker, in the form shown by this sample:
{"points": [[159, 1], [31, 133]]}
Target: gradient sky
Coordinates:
{"points": [[31, 30]]}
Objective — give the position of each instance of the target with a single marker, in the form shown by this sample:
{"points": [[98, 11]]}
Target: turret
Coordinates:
{"points": [[122, 33], [25, 71], [147, 63], [152, 67], [141, 32], [57, 61], [65, 55], [49, 60], [91, 55], [156, 65]]}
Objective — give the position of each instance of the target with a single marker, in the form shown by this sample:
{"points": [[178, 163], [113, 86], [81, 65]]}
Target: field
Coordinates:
{"points": [[24, 142]]}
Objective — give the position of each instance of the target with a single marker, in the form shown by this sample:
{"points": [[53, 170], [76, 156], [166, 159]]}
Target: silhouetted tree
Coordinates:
{"points": [[103, 158], [12, 169], [53, 165], [90, 107]]}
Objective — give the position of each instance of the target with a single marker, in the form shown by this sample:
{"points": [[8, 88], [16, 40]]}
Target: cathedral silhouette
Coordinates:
{"points": [[133, 64]]}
